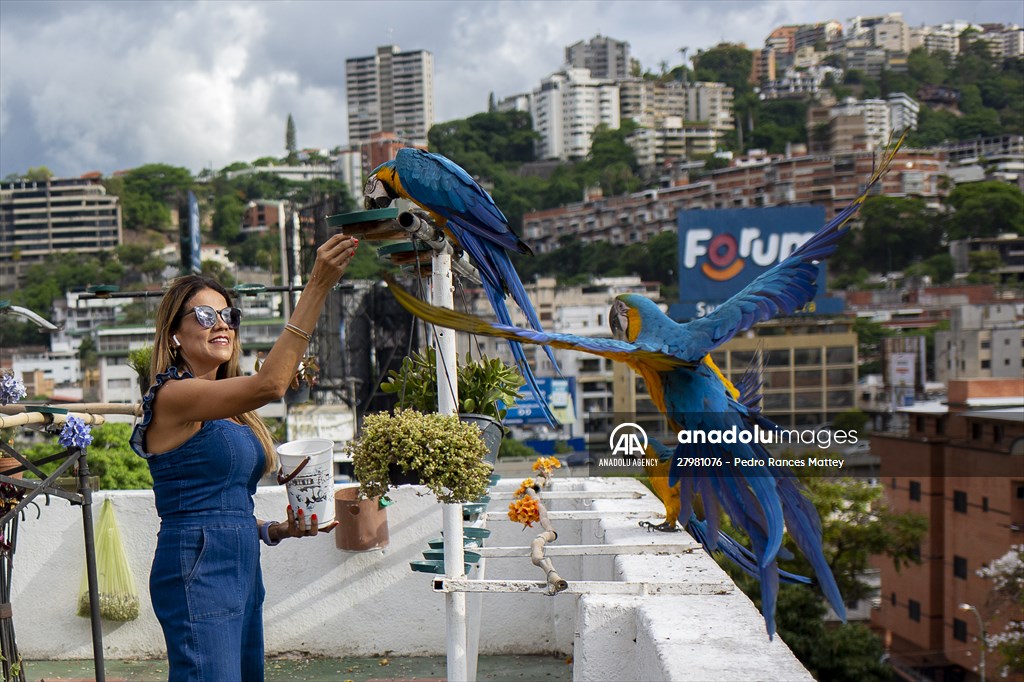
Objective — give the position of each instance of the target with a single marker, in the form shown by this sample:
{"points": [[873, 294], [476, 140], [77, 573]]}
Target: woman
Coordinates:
{"points": [[207, 450]]}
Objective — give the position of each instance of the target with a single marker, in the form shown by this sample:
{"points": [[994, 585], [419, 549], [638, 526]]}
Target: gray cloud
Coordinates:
{"points": [[112, 85]]}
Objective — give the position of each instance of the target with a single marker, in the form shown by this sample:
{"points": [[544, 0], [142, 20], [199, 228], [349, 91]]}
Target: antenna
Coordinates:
{"points": [[391, 33]]}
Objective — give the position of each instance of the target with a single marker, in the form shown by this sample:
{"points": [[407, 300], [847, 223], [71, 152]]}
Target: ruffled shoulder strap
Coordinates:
{"points": [[139, 432]]}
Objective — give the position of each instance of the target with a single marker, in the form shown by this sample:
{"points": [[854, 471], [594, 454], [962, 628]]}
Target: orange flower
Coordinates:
{"points": [[524, 510], [527, 484], [547, 464]]}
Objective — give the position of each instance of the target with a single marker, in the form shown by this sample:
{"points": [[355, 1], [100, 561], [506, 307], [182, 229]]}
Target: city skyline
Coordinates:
{"points": [[109, 86]]}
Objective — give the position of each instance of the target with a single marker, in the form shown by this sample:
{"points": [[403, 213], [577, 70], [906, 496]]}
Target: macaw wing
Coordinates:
{"points": [[785, 288], [621, 351], [445, 188]]}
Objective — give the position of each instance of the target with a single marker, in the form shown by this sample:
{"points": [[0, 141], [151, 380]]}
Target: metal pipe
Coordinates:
{"points": [[443, 295], [90, 566]]}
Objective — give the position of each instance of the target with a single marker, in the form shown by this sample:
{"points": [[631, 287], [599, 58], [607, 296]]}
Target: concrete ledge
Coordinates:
{"points": [[325, 602]]}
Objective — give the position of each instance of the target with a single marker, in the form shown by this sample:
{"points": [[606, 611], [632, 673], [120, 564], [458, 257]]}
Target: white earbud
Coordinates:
{"points": [[177, 344]]}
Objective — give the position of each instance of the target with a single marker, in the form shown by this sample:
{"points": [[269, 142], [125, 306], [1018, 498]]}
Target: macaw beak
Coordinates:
{"points": [[375, 194], [618, 320]]}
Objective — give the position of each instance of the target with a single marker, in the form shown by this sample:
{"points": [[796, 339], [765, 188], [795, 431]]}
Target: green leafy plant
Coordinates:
{"points": [[482, 384], [446, 454], [140, 360]]}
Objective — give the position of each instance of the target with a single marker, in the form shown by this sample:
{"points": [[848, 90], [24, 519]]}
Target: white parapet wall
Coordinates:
{"points": [[322, 601]]}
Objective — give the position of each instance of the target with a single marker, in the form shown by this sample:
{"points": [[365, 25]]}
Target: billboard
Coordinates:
{"points": [[560, 395], [723, 250], [189, 235]]}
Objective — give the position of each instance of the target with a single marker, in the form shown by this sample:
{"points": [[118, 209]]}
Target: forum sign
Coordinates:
{"points": [[723, 250]]}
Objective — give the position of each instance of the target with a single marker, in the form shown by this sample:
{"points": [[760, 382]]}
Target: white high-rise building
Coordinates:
{"points": [[604, 57], [567, 107], [390, 91]]}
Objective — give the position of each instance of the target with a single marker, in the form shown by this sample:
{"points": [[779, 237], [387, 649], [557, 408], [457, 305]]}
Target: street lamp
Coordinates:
{"points": [[984, 642]]}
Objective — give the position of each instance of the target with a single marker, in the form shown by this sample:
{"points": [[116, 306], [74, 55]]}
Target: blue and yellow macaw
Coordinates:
{"points": [[468, 214], [687, 387]]}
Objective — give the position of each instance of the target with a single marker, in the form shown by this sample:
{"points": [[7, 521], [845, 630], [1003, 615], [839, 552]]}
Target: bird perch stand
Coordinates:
{"points": [[528, 508]]}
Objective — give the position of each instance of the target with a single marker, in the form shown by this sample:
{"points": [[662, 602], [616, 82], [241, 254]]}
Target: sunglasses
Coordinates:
{"points": [[207, 316]]}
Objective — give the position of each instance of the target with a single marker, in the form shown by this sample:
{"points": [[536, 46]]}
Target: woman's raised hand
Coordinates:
{"points": [[332, 259]]}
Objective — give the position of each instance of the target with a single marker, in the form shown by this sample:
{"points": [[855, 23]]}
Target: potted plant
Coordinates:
{"points": [[442, 452], [140, 360], [487, 388]]}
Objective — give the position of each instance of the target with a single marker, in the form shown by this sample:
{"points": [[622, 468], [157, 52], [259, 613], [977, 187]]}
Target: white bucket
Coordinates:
{"points": [[312, 489]]}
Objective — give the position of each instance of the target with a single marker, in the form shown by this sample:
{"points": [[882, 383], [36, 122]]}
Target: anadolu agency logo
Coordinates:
{"points": [[628, 440]]}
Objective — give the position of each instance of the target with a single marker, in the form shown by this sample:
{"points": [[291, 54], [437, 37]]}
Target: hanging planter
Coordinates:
{"points": [[447, 454]]}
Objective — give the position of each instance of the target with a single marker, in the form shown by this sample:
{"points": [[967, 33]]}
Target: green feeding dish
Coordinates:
{"points": [[432, 566], [438, 543], [473, 508], [438, 555], [406, 253], [475, 533], [103, 290], [376, 225], [494, 479], [249, 289]]}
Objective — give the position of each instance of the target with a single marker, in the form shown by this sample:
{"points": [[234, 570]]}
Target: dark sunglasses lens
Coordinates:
{"points": [[232, 317], [206, 316]]}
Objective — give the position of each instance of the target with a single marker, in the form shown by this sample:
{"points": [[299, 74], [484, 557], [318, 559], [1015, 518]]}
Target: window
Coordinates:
{"points": [[986, 364], [959, 630], [892, 599], [997, 433], [975, 431], [960, 501], [959, 567], [940, 426], [919, 423], [914, 610], [984, 504], [915, 491]]}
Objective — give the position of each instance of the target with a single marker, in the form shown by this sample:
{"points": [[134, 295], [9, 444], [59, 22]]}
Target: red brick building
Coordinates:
{"points": [[961, 465]]}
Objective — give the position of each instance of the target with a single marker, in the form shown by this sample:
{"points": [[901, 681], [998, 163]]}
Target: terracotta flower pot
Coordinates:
{"points": [[8, 463]]}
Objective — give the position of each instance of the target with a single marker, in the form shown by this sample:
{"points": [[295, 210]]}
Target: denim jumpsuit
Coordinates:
{"points": [[206, 583]]}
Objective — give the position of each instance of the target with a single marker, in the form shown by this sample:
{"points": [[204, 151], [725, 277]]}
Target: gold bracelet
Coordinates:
{"points": [[298, 332]]}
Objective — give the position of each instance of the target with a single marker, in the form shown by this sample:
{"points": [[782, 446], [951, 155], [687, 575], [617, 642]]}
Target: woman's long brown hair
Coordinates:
{"points": [[173, 304]]}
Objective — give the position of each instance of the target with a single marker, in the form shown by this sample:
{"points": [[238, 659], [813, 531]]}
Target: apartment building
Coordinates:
{"points": [[982, 341], [959, 465], [53, 216], [766, 181], [390, 91], [567, 107], [810, 377], [604, 57], [860, 124]]}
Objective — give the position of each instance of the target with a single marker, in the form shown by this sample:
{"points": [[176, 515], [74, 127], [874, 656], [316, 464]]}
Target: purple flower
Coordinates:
{"points": [[75, 433], [11, 389]]}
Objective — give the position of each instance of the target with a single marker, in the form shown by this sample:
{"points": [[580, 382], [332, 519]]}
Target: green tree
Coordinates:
{"points": [[986, 209], [984, 267], [895, 230], [289, 140], [38, 174], [110, 458], [146, 191], [856, 526]]}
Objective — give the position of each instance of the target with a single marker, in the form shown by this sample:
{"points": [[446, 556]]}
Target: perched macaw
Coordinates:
{"points": [[469, 215], [687, 387]]}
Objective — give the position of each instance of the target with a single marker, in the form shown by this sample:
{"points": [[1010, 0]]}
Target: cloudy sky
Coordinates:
{"points": [[110, 85]]}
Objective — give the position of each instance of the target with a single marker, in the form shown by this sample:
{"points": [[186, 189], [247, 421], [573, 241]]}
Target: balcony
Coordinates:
{"points": [[325, 602]]}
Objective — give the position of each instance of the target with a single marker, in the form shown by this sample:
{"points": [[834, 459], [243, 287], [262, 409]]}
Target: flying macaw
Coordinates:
{"points": [[686, 386], [469, 215]]}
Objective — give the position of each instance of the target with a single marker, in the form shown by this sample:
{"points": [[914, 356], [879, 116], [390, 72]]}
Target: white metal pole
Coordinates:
{"points": [[447, 402], [296, 245], [286, 299]]}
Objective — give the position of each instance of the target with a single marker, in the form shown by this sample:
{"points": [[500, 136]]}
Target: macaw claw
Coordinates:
{"points": [[664, 527]]}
